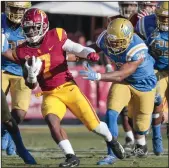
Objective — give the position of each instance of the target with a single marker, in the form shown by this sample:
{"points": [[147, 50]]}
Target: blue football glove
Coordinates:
{"points": [[89, 73]]}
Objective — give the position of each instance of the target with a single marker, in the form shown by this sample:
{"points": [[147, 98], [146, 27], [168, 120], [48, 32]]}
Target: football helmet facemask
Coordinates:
{"points": [[15, 10], [162, 15]]}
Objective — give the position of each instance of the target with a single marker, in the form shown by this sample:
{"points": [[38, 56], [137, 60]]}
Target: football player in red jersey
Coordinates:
{"points": [[48, 48]]}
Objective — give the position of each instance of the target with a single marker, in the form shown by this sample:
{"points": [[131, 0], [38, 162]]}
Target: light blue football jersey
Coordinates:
{"points": [[143, 79], [158, 48], [157, 41], [14, 37], [146, 25]]}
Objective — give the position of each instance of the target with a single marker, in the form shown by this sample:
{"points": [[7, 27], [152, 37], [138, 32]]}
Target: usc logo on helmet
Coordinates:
{"points": [[41, 12]]}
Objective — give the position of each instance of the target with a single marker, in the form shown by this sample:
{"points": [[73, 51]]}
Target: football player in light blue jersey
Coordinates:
{"points": [[157, 42], [10, 123], [12, 79], [133, 80]]}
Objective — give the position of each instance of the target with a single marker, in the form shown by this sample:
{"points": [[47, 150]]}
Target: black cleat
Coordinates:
{"points": [[117, 149], [128, 147], [71, 161], [140, 150]]}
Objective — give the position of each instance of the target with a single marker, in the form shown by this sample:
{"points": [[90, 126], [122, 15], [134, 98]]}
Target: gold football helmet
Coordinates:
{"points": [[162, 15], [119, 35], [127, 8], [15, 10]]}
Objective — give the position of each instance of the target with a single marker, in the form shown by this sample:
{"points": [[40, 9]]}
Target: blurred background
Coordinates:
{"points": [[83, 22]]}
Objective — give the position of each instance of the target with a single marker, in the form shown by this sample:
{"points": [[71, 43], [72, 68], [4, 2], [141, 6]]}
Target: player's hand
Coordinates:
{"points": [[33, 70], [142, 13], [89, 73], [109, 68], [93, 56]]}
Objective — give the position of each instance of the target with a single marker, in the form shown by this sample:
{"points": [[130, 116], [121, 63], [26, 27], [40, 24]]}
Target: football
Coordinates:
{"points": [[29, 60], [25, 71]]}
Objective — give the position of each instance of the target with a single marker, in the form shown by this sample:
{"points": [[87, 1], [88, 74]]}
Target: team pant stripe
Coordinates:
{"points": [[91, 108]]}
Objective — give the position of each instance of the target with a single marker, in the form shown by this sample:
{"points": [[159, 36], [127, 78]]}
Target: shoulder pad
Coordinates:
{"points": [[100, 38]]}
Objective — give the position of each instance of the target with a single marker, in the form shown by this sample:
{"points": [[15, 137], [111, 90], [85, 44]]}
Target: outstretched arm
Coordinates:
{"points": [[116, 76], [80, 51]]}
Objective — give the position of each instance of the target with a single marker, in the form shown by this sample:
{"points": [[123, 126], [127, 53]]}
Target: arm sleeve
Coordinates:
{"points": [[137, 52], [5, 44], [77, 49]]}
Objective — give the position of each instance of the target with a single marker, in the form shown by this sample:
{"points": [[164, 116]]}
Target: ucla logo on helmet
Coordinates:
{"points": [[126, 30]]}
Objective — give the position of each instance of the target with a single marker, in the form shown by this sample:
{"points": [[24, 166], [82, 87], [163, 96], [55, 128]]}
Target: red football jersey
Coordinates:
{"points": [[55, 69], [133, 19]]}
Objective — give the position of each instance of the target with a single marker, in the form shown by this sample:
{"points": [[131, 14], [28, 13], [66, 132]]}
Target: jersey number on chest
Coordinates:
{"points": [[47, 60]]}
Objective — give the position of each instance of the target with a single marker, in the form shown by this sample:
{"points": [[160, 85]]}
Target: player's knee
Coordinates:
{"points": [[124, 111], [141, 132], [18, 115], [112, 115]]}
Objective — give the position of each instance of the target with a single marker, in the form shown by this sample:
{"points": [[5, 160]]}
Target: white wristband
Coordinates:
{"points": [[32, 80], [98, 76]]}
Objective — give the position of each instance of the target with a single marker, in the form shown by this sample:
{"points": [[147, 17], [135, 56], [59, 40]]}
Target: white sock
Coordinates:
{"points": [[141, 141], [66, 147], [103, 131], [130, 135]]}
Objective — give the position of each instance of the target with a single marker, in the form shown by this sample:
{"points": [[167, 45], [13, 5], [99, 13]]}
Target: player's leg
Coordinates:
{"points": [[127, 126], [156, 126], [115, 103], [53, 110], [21, 95], [13, 129], [76, 101], [157, 113], [89, 117], [5, 140], [143, 108]]}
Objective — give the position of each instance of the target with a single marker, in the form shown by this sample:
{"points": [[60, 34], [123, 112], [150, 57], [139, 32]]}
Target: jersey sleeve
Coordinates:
{"points": [[5, 44], [137, 52], [100, 39], [140, 27], [61, 34]]}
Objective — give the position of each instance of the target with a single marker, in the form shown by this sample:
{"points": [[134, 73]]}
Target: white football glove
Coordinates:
{"points": [[34, 69]]}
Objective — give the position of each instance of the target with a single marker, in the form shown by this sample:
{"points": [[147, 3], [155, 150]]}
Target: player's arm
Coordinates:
{"points": [[6, 52], [116, 76], [11, 55], [80, 51], [74, 58]]}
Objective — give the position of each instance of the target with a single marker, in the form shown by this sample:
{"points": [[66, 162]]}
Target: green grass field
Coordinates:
{"points": [[88, 147]]}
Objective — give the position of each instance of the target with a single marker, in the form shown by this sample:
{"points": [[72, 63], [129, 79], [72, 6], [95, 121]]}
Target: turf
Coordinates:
{"points": [[88, 147]]}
